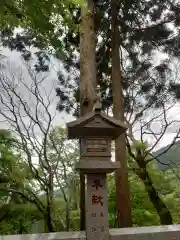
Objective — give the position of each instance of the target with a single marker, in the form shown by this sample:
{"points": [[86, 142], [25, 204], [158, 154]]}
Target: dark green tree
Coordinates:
{"points": [[144, 30]]}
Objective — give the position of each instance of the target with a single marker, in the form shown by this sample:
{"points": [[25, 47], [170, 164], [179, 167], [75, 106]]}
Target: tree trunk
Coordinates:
{"points": [[67, 216], [49, 196], [87, 79], [123, 204], [21, 228], [160, 206], [49, 220]]}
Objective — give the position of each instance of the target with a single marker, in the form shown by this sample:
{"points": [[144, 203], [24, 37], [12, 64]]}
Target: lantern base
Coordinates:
{"points": [[97, 166]]}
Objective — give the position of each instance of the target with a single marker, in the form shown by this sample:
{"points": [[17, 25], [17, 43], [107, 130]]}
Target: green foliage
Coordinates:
{"points": [[14, 172], [16, 216], [19, 219], [52, 27], [168, 156], [140, 146], [139, 39], [143, 211], [19, 216], [60, 216], [19, 186]]}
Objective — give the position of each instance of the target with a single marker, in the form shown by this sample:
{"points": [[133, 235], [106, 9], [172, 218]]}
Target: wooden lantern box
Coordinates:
{"points": [[96, 130]]}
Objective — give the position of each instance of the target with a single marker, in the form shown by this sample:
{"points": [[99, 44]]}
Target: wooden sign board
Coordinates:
{"points": [[96, 147], [97, 226]]}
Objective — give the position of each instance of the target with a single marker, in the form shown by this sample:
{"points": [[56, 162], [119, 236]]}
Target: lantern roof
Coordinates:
{"points": [[96, 124]]}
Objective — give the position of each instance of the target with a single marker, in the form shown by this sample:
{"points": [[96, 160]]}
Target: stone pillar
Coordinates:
{"points": [[97, 225]]}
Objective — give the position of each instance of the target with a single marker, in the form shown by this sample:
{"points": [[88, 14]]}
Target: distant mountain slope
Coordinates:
{"points": [[172, 156]]}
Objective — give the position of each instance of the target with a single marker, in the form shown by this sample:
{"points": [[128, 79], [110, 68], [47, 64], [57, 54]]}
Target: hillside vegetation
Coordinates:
{"points": [[168, 156]]}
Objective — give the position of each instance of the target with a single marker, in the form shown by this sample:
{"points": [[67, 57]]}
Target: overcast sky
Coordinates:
{"points": [[50, 83], [61, 118]]}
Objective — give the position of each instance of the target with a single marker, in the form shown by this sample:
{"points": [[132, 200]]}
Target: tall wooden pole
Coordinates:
{"points": [[87, 79], [123, 205]]}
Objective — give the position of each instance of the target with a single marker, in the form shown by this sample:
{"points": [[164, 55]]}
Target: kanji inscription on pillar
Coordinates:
{"points": [[97, 227]]}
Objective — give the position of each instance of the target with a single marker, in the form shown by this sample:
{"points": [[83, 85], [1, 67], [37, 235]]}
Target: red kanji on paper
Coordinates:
{"points": [[97, 200]]}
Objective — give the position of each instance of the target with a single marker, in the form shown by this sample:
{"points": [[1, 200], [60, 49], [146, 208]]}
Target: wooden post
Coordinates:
{"points": [[97, 226], [96, 130], [123, 203], [87, 79]]}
